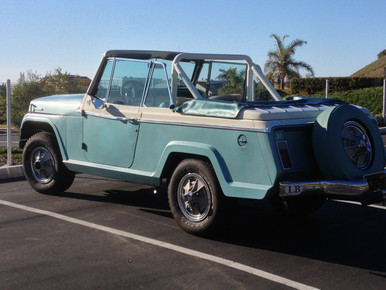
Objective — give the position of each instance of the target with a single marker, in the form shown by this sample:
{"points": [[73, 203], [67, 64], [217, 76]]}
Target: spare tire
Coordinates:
{"points": [[347, 143]]}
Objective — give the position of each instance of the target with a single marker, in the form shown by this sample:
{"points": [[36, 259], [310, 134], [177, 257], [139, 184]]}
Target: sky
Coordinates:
{"points": [[41, 35]]}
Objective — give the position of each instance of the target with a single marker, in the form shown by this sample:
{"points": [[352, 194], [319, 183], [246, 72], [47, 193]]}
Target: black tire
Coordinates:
{"points": [[347, 144], [196, 199], [43, 166]]}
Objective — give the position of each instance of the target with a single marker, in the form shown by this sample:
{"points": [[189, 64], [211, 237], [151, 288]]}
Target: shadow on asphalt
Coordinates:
{"points": [[138, 198], [14, 179], [338, 233]]}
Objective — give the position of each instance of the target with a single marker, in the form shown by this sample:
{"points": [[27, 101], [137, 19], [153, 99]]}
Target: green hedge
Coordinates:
{"points": [[16, 153], [371, 98], [312, 86]]}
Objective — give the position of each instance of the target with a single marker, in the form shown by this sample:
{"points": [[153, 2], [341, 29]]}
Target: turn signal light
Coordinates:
{"points": [[284, 155]]}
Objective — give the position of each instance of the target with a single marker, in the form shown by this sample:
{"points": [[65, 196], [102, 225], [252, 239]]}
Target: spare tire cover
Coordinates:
{"points": [[347, 143]]}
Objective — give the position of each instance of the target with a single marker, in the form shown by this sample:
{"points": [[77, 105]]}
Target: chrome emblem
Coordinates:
{"points": [[294, 189], [242, 141]]}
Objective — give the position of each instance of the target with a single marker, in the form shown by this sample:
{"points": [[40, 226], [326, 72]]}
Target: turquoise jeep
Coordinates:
{"points": [[210, 128]]}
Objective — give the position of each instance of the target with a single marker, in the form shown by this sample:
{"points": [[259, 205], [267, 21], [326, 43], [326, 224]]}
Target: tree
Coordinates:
{"points": [[28, 87], [2, 104], [281, 64], [235, 81], [31, 86], [2, 90], [382, 53], [61, 83]]}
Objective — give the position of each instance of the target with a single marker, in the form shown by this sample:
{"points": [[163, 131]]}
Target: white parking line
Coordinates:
{"points": [[359, 204], [197, 254]]}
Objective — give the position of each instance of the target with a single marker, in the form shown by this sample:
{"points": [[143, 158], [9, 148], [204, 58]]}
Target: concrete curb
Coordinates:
{"points": [[9, 172]]}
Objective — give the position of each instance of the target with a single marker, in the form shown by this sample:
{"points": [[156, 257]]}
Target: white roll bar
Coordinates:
{"points": [[251, 68]]}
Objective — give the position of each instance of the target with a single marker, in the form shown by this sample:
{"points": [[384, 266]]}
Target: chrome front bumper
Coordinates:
{"points": [[369, 190]]}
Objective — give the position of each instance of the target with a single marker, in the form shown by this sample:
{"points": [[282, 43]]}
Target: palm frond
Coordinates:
{"points": [[280, 64], [304, 65]]}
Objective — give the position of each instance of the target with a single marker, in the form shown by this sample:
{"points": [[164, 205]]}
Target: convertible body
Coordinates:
{"points": [[203, 126]]}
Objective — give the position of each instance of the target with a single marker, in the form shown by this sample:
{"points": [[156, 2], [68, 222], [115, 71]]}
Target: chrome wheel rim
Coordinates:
{"points": [[357, 144], [194, 198], [42, 165]]}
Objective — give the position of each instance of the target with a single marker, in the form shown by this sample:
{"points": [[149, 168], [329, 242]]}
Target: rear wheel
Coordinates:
{"points": [[195, 197], [43, 166]]}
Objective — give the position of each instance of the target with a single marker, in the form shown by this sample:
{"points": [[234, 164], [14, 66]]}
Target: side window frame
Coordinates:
{"points": [[149, 64], [151, 74], [106, 94], [152, 66]]}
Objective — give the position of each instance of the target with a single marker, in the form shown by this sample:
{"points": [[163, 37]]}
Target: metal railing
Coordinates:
{"points": [[9, 129]]}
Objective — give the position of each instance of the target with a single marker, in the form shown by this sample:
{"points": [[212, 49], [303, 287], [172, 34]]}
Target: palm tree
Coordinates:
{"points": [[234, 79], [232, 76], [281, 64]]}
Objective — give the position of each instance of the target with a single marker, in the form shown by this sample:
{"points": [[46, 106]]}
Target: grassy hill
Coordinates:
{"points": [[374, 69]]}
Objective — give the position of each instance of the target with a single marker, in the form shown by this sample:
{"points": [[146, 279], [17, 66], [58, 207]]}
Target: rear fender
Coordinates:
{"points": [[195, 148], [228, 186]]}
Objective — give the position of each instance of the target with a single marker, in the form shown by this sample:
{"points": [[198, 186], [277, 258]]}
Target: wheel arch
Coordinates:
{"points": [[31, 127], [177, 151], [176, 158]]}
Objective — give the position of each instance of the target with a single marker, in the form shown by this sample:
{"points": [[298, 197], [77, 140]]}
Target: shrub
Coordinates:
{"points": [[381, 120], [371, 98], [311, 86]]}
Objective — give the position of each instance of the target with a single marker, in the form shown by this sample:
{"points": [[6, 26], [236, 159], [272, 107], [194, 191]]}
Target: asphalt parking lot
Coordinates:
{"points": [[105, 234]]}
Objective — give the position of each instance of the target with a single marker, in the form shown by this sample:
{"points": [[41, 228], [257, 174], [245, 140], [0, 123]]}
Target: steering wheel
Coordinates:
{"points": [[131, 91]]}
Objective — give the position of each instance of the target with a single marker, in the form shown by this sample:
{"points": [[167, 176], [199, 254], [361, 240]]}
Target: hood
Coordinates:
{"points": [[57, 104]]}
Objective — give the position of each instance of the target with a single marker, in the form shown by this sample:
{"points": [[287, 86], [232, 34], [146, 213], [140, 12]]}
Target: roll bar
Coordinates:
{"points": [[252, 68]]}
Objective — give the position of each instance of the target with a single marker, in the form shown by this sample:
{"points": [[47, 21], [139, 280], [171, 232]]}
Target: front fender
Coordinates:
{"points": [[34, 123]]}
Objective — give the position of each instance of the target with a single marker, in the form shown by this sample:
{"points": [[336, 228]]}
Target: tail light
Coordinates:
{"points": [[282, 147], [284, 155]]}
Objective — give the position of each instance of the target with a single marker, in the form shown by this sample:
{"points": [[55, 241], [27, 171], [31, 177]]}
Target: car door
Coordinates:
{"points": [[110, 131]]}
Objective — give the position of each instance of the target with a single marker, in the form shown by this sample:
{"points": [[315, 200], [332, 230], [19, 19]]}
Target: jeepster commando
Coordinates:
{"points": [[210, 129]]}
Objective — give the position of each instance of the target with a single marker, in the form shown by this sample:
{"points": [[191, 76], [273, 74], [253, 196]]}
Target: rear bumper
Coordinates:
{"points": [[369, 190]]}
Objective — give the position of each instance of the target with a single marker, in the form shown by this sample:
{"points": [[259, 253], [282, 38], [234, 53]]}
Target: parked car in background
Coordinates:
{"points": [[210, 129]]}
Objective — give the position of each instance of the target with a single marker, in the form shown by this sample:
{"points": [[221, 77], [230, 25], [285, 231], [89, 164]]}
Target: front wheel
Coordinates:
{"points": [[195, 197], [43, 166]]}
